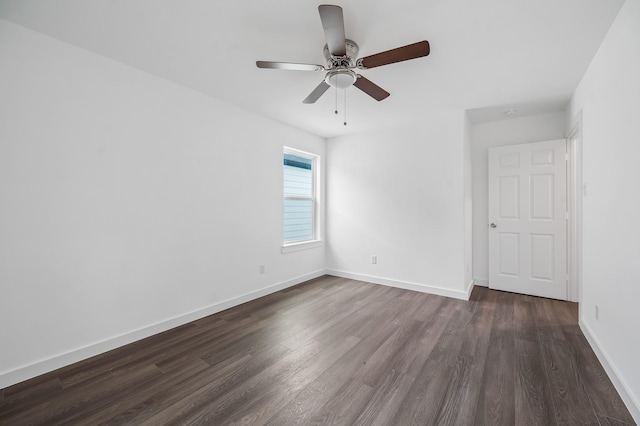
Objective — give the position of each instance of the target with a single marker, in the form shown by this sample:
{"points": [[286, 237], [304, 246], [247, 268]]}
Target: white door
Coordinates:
{"points": [[528, 219]]}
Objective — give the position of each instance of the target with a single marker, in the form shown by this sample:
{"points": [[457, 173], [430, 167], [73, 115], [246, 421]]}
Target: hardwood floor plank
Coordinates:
{"points": [[416, 350], [250, 340], [336, 412], [608, 421], [504, 311], [334, 350], [292, 301], [128, 402], [496, 403], [117, 358], [197, 395], [597, 385], [533, 402], [228, 400], [29, 395], [71, 403], [553, 316], [361, 314], [209, 384], [524, 313], [430, 305], [331, 315], [378, 365], [131, 356], [448, 345], [301, 409], [475, 346], [199, 349], [454, 400], [265, 394], [397, 309], [385, 401], [571, 403], [344, 369], [425, 397], [282, 389]]}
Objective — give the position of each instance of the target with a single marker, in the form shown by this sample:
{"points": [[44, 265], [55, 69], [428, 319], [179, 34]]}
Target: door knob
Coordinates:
{"points": [[493, 225]]}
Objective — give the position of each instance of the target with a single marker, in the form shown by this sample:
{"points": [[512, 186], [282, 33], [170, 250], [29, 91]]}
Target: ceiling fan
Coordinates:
{"points": [[341, 52]]}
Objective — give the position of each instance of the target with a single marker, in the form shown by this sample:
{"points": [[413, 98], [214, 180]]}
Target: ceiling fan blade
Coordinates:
{"points": [[288, 66], [404, 53], [370, 88], [317, 92], [333, 24]]}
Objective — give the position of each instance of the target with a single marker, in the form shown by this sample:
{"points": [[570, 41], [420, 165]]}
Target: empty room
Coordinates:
{"points": [[297, 213]]}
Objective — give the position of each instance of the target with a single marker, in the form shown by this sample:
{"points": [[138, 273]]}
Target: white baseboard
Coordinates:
{"points": [[469, 287], [630, 400], [29, 371], [424, 288]]}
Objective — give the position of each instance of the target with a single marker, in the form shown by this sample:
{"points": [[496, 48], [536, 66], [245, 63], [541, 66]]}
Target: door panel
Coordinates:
{"points": [[527, 205], [542, 257], [542, 197], [510, 160], [509, 249], [509, 197]]}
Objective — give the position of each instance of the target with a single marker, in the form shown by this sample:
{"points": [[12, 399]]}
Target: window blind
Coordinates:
{"points": [[298, 198]]}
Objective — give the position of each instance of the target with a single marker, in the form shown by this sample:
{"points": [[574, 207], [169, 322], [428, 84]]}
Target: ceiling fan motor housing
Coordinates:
{"points": [[348, 60], [339, 75]]}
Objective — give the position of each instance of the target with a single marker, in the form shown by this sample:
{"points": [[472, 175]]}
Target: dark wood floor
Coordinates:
{"points": [[337, 351]]}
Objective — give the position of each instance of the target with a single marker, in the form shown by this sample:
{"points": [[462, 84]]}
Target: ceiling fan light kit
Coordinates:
{"points": [[341, 54], [340, 79]]}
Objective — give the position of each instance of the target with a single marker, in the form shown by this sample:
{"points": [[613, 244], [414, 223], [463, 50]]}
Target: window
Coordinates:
{"points": [[299, 197]]}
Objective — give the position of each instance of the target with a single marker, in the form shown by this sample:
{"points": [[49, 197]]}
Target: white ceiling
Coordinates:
{"points": [[487, 56]]}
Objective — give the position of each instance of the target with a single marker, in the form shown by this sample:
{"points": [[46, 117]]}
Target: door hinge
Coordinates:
{"points": [[566, 156]]}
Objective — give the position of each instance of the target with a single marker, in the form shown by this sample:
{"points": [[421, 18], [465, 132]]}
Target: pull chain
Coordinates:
{"points": [[336, 100], [345, 106]]}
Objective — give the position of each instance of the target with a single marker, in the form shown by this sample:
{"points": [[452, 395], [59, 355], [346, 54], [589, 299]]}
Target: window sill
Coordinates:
{"points": [[305, 245]]}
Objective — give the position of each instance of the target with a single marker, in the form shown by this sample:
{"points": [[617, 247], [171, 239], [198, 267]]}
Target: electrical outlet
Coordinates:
{"points": [[374, 259], [261, 269], [597, 313]]}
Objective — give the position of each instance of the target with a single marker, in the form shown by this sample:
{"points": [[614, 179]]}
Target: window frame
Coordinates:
{"points": [[315, 240]]}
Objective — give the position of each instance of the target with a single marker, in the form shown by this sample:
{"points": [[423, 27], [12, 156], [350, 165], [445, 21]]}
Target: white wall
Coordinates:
{"points": [[511, 131], [468, 205], [609, 98], [129, 204], [398, 194]]}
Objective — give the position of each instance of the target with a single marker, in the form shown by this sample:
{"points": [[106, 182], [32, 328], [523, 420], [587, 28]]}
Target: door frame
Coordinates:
{"points": [[575, 192]]}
